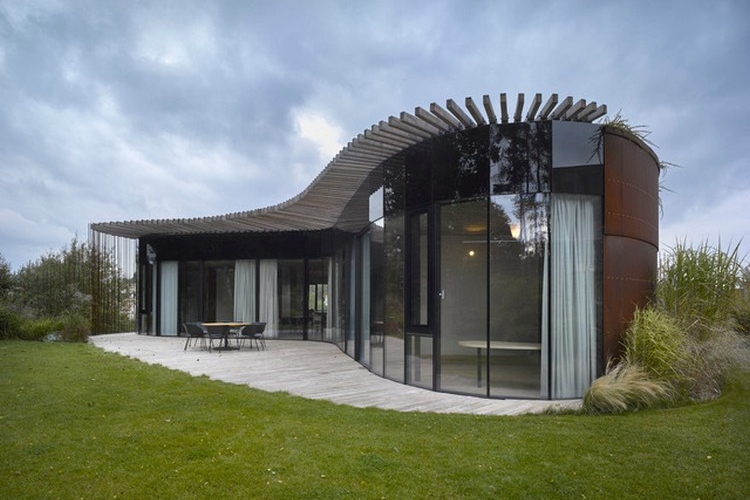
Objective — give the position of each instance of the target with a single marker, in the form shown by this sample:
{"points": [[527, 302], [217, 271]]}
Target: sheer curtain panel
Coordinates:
{"points": [[244, 291], [573, 294], [269, 303], [168, 298]]}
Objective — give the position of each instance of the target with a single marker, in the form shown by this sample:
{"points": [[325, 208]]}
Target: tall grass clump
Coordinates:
{"points": [[655, 342], [699, 285], [625, 387]]}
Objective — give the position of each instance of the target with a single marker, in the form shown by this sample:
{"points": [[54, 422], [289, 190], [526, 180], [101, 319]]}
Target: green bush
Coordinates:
{"points": [[10, 323], [75, 328], [625, 387], [38, 329]]}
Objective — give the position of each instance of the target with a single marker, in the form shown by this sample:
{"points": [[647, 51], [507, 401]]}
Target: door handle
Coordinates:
{"points": [[441, 294]]}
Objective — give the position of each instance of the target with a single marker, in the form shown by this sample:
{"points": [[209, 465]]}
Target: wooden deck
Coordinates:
{"points": [[313, 370]]}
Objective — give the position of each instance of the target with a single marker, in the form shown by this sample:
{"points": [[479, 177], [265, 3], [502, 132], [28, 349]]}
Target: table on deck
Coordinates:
{"points": [[500, 345], [223, 328]]}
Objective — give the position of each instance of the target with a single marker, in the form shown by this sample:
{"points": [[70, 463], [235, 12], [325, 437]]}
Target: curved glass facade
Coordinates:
{"points": [[459, 255]]}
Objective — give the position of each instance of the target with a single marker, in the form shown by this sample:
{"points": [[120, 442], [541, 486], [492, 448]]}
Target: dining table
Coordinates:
{"points": [[223, 328]]}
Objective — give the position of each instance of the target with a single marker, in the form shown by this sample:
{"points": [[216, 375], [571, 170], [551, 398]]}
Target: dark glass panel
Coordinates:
{"points": [[394, 186], [418, 170], [190, 292], [291, 297], [418, 270], [575, 144], [460, 165], [578, 180], [218, 291], [519, 158]]}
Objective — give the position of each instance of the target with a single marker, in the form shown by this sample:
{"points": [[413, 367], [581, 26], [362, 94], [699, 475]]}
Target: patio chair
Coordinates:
{"points": [[217, 333], [254, 333], [194, 331]]}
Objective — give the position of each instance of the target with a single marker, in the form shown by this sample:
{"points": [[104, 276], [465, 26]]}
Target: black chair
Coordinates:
{"points": [[254, 333], [194, 331], [217, 332]]}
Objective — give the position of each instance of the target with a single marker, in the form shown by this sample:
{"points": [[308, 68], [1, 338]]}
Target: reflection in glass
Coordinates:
{"points": [[575, 144], [377, 294], [218, 291], [190, 292], [418, 303], [291, 297], [393, 342], [419, 361], [518, 236], [463, 292]]}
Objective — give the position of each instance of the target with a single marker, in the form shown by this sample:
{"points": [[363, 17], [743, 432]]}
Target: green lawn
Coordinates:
{"points": [[76, 422]]}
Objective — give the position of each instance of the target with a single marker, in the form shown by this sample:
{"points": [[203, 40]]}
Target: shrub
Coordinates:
{"points": [[655, 342], [624, 387], [714, 360], [10, 323], [38, 329], [75, 328]]}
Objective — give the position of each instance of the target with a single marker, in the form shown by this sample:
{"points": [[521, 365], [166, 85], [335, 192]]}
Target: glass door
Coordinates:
{"points": [[420, 302], [462, 297]]}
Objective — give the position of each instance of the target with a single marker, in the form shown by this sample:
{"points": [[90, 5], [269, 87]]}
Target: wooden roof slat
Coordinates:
{"points": [[585, 112], [475, 113], [503, 108], [600, 111], [446, 117], [459, 113], [530, 116], [487, 101], [519, 108], [433, 120], [562, 108], [419, 124], [548, 107], [574, 110]]}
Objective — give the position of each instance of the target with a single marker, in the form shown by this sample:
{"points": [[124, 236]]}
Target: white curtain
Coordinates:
{"points": [[544, 374], [573, 299], [269, 304], [168, 298], [244, 291]]}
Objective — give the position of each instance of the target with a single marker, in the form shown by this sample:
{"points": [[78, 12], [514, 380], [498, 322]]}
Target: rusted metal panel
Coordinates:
{"points": [[631, 190], [630, 268]]}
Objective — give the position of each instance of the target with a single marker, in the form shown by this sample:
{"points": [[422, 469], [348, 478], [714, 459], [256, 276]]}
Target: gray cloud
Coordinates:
{"points": [[125, 110]]}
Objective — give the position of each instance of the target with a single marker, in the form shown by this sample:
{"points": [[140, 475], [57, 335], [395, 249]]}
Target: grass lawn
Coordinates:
{"points": [[76, 422]]}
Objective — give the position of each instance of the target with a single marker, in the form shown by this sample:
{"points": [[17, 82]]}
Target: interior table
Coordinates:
{"points": [[500, 345]]}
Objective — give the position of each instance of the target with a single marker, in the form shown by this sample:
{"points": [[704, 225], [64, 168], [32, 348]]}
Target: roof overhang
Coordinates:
{"points": [[322, 203]]}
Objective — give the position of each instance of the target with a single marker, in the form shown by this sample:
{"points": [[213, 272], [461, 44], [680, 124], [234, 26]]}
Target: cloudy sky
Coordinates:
{"points": [[124, 110]]}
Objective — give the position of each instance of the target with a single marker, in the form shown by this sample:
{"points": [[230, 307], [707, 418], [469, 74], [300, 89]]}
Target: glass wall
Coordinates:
{"points": [[218, 291], [291, 298]]}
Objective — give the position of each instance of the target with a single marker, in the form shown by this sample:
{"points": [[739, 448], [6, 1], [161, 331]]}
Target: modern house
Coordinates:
{"points": [[477, 250]]}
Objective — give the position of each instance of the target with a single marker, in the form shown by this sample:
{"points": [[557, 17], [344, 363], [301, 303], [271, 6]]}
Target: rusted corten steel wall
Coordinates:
{"points": [[631, 234]]}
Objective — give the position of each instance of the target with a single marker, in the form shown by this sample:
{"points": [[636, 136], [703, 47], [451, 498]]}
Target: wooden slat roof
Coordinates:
{"points": [[321, 204]]}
